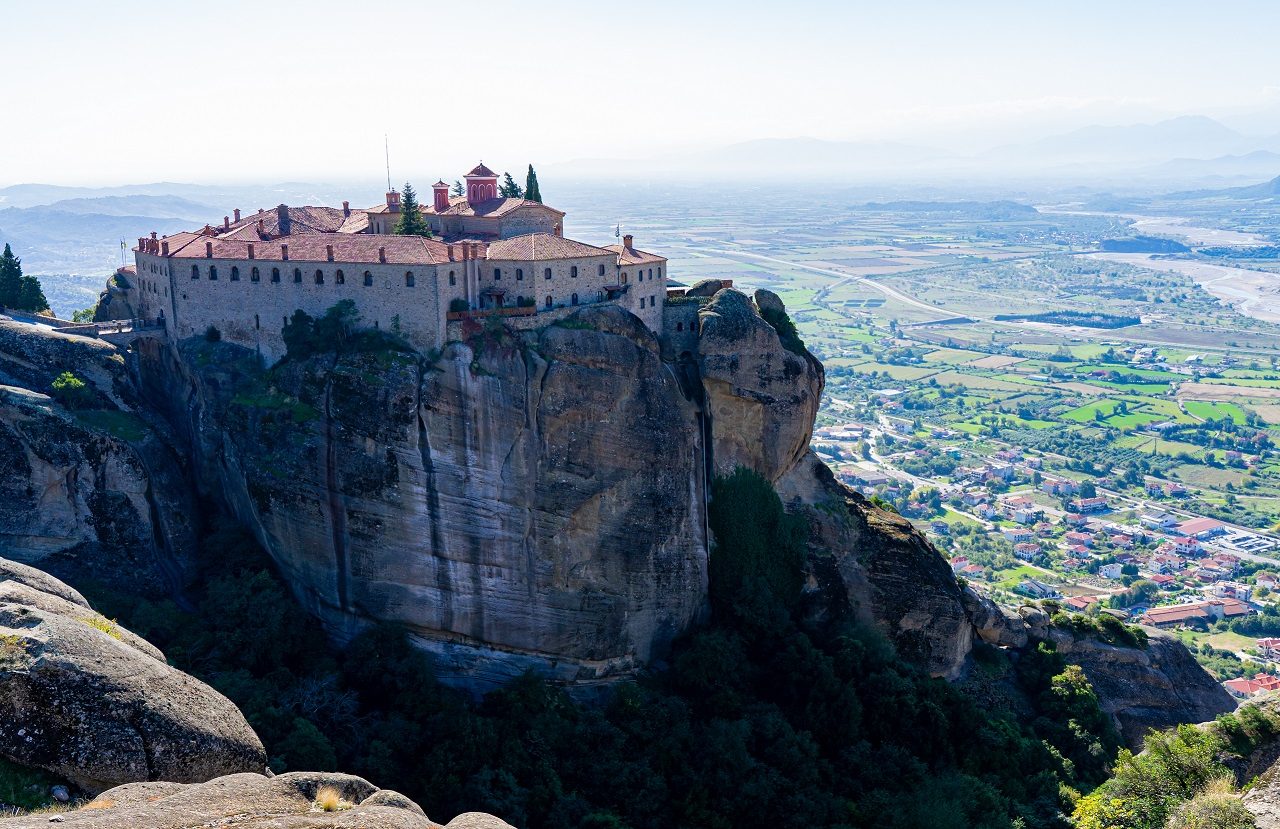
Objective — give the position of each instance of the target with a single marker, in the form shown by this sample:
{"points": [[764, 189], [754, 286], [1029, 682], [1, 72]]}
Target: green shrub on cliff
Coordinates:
{"points": [[786, 329], [71, 391]]}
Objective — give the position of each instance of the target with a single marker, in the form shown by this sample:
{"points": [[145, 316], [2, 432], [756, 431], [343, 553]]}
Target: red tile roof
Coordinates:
{"points": [[459, 206], [348, 248], [539, 246], [481, 170], [631, 256]]}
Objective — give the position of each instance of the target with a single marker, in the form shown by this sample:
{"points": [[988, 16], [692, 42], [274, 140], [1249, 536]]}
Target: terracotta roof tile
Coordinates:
{"points": [[631, 256], [348, 248], [539, 246], [481, 170]]}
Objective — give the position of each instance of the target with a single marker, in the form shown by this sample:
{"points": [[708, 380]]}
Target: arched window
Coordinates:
{"points": [[254, 275], [235, 273], [368, 279], [408, 279], [573, 300], [275, 274], [195, 271], [497, 274], [624, 277], [548, 300], [453, 280], [679, 326], [319, 277], [519, 274], [213, 272], [659, 271], [651, 273], [573, 271], [600, 272], [339, 278], [546, 274], [297, 274]]}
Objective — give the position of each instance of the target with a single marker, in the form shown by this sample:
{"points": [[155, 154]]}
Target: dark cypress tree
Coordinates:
{"points": [[508, 189], [10, 278], [31, 296], [458, 189], [531, 191], [411, 221]]}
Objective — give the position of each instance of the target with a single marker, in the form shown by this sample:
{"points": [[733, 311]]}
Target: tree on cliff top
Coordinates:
{"points": [[531, 191], [19, 292], [508, 189], [411, 221]]}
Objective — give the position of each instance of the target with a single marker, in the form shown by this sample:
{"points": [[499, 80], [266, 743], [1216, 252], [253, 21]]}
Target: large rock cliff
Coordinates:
{"points": [[538, 499], [513, 502]]}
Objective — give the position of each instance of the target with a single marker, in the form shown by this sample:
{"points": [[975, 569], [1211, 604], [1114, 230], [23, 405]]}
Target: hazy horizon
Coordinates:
{"points": [[254, 92]]}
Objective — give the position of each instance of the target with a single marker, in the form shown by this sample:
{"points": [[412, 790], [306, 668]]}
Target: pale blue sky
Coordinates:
{"points": [[144, 91]]}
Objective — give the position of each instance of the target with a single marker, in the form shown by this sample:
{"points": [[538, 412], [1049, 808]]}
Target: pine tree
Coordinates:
{"points": [[458, 188], [531, 191], [508, 189], [411, 221], [10, 278]]}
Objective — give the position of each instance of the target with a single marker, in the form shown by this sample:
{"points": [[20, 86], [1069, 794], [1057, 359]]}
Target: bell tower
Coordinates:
{"points": [[441, 192], [482, 185]]}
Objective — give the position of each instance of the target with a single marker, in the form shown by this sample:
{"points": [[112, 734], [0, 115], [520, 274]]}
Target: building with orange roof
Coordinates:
{"points": [[488, 255]]}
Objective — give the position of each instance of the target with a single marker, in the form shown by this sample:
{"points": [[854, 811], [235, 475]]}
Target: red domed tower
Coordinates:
{"points": [[441, 192], [482, 185]]}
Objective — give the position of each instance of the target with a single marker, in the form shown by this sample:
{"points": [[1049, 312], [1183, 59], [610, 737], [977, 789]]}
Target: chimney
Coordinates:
{"points": [[465, 255], [450, 253], [382, 255], [236, 213], [346, 209], [475, 251], [153, 234], [626, 241], [282, 219], [208, 250], [226, 222], [142, 243], [208, 230], [328, 252], [251, 250], [262, 229], [164, 248], [284, 252]]}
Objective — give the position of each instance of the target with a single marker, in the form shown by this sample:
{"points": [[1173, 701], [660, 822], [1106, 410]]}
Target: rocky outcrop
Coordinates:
{"points": [[252, 801], [116, 300], [761, 398], [1157, 686], [875, 565], [91, 702]]}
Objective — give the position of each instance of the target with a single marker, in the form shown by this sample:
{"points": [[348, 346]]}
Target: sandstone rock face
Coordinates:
{"points": [[513, 503], [1158, 686], [94, 493], [761, 398], [95, 704], [252, 801]]}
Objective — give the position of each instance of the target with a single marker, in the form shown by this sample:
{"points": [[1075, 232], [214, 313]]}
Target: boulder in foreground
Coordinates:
{"points": [[89, 701], [253, 801]]}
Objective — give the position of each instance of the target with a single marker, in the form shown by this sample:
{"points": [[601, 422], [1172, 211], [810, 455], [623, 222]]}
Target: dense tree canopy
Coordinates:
{"points": [[22, 293]]}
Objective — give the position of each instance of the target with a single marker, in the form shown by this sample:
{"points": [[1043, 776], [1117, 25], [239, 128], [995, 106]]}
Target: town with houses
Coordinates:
{"points": [[1021, 525]]}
